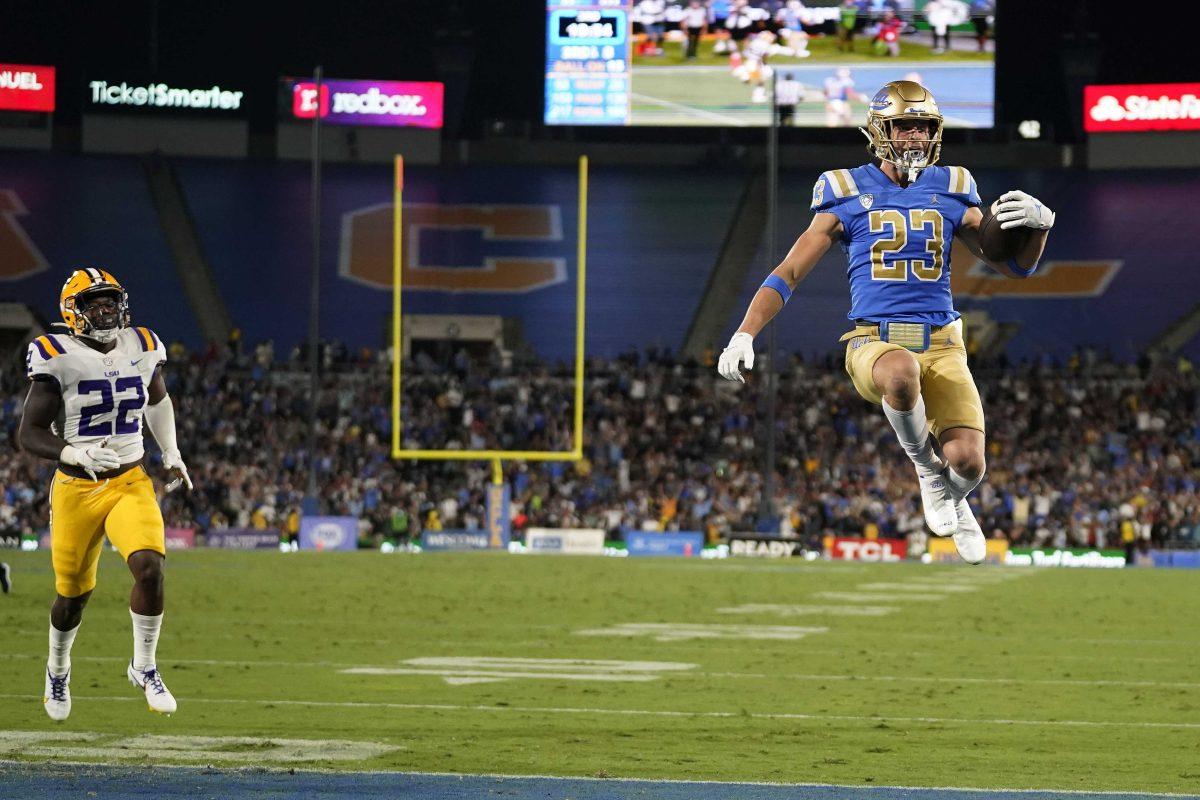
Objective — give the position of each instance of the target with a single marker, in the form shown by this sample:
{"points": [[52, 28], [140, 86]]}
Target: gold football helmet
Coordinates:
{"points": [[900, 100], [88, 282]]}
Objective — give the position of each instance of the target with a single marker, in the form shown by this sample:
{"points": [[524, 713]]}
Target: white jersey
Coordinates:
{"points": [[104, 394]]}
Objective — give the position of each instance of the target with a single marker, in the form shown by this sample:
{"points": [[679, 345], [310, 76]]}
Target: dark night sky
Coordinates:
{"points": [[494, 49]]}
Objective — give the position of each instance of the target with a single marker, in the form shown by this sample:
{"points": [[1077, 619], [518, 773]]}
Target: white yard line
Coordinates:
{"points": [[639, 712], [385, 669], [696, 112]]}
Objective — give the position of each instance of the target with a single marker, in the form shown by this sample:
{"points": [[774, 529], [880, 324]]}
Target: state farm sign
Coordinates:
{"points": [[24, 87], [868, 549], [1142, 107]]}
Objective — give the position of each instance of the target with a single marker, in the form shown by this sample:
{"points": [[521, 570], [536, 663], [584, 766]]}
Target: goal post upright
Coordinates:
{"points": [[495, 456]]}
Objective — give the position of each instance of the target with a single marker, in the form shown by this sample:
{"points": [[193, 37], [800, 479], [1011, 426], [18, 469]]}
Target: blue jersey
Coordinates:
{"points": [[897, 240]]}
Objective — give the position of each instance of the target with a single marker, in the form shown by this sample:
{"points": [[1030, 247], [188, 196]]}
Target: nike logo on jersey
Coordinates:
{"points": [[135, 363]]}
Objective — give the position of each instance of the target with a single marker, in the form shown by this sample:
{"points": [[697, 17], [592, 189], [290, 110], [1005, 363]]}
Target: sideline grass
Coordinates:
{"points": [[1070, 679]]}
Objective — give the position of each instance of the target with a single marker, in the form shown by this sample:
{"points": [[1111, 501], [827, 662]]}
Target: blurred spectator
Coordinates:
{"points": [[1092, 454]]}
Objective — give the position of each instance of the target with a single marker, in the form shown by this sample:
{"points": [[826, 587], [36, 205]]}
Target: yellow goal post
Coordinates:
{"points": [[495, 456]]}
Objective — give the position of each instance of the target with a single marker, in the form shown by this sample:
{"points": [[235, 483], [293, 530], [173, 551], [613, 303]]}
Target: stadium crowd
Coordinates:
{"points": [[1089, 453]]}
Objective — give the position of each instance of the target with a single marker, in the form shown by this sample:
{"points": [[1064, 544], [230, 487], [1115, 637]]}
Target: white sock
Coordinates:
{"points": [[59, 662], [912, 429], [145, 639], [959, 485]]}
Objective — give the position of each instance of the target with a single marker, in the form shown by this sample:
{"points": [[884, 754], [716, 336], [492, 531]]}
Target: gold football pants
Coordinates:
{"points": [[83, 512], [951, 399]]}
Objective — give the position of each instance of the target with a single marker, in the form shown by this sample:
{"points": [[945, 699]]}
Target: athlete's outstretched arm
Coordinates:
{"points": [[1027, 259], [822, 232]]}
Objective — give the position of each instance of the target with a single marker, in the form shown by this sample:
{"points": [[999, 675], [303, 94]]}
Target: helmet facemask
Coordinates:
{"points": [[897, 102], [901, 153], [103, 324]]}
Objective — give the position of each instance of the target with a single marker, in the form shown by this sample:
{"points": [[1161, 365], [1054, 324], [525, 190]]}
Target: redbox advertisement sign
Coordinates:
{"points": [[390, 103], [868, 549], [24, 87], [1142, 107]]}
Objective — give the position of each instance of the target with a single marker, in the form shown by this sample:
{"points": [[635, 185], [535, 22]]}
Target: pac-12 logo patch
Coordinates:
{"points": [[866, 200]]}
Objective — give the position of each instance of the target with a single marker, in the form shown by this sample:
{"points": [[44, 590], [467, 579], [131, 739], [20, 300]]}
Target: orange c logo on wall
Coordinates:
{"points": [[366, 247], [19, 256], [1054, 279]]}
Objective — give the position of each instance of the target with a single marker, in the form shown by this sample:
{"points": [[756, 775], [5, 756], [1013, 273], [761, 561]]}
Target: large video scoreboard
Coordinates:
{"points": [[587, 62]]}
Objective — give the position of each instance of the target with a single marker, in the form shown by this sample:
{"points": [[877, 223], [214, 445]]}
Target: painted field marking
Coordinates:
{"points": [[696, 112], [916, 586], [802, 611], [638, 712], [679, 631], [249, 749], [462, 670], [881, 597]]}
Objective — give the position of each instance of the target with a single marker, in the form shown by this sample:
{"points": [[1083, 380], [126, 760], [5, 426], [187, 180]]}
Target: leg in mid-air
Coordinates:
{"points": [[963, 449], [897, 378], [66, 615], [5, 577], [146, 613]]}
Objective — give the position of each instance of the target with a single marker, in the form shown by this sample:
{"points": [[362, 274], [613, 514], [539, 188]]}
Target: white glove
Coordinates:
{"points": [[1016, 208], [173, 462], [740, 350], [93, 458]]}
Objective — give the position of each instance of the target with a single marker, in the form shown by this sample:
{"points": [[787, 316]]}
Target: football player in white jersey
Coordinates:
{"points": [[91, 391]]}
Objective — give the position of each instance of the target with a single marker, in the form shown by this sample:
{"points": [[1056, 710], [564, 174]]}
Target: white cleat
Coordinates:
{"points": [[57, 697], [940, 513], [158, 696], [970, 541]]}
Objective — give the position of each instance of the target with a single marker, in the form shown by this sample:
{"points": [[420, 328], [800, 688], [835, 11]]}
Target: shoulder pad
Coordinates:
{"points": [[147, 340], [832, 186], [960, 181], [48, 347]]}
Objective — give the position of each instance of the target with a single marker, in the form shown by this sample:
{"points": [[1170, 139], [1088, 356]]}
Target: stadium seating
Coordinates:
{"points": [[75, 212]]}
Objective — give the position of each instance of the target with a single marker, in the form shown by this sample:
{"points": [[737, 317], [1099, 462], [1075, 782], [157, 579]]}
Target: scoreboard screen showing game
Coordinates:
{"points": [[723, 62], [587, 62]]}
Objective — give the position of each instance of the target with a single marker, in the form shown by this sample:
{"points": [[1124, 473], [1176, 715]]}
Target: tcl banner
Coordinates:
{"points": [[868, 549], [391, 103], [24, 87], [1142, 107]]}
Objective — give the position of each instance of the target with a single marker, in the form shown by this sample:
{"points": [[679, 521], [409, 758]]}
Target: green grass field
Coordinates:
{"points": [[985, 677]]}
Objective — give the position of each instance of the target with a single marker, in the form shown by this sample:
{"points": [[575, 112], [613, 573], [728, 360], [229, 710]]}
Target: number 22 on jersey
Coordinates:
{"points": [[90, 425], [899, 228]]}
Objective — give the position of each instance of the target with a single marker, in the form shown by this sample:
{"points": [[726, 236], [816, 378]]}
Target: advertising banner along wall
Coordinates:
{"points": [[388, 103], [26, 87], [329, 533]]}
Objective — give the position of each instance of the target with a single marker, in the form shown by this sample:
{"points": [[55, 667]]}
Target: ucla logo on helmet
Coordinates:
{"points": [[866, 200], [881, 100]]}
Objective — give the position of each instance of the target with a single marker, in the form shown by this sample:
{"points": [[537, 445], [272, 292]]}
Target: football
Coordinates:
{"points": [[998, 244]]}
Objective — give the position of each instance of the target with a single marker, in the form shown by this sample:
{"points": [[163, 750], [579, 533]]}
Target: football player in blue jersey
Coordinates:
{"points": [[896, 219]]}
